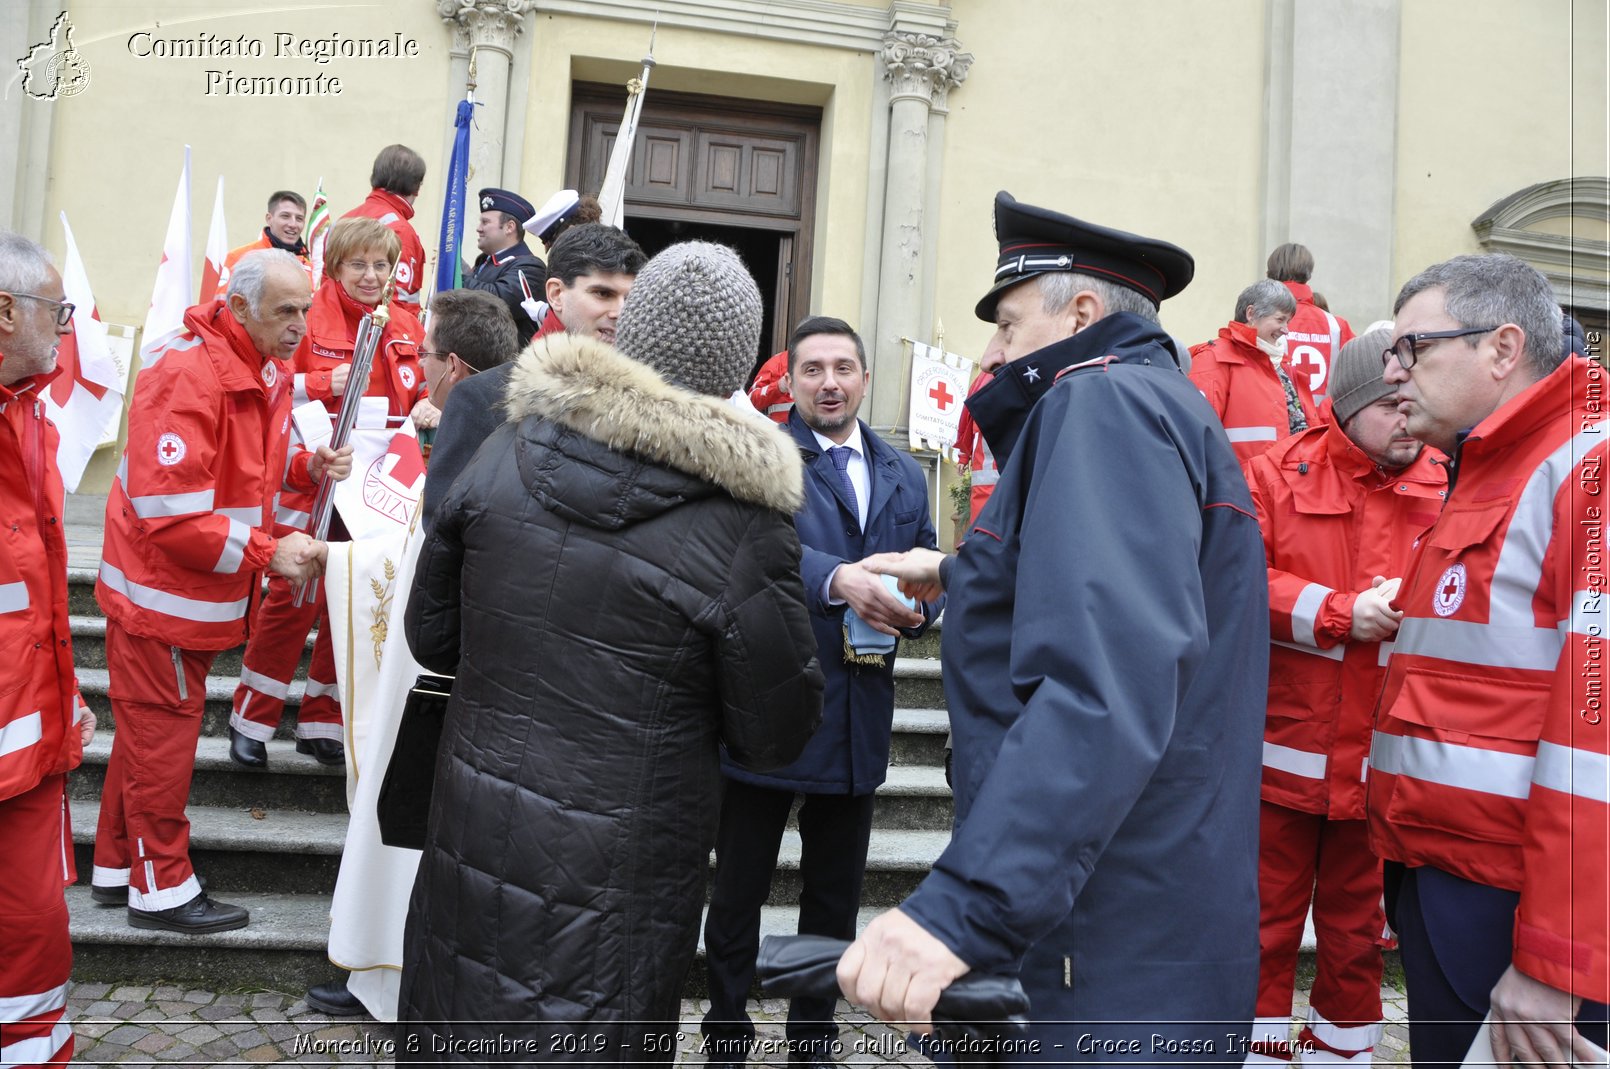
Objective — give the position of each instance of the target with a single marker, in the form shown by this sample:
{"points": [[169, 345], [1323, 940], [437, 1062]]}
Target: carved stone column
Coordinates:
{"points": [[921, 70], [489, 27]]}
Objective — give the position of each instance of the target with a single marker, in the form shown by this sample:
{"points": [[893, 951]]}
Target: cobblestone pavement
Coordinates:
{"points": [[129, 1025]]}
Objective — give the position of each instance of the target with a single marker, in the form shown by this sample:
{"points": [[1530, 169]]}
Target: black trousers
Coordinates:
{"points": [[1455, 938], [834, 830]]}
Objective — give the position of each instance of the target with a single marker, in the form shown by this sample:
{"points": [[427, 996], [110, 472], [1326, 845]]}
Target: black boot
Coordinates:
{"points": [[324, 751], [197, 916], [334, 999], [248, 752]]}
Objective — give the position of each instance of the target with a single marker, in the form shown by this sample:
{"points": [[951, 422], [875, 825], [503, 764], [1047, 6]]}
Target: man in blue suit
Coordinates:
{"points": [[861, 497]]}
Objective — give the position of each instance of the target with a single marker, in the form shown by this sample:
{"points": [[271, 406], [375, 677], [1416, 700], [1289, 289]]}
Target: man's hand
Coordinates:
{"points": [[897, 970], [871, 600], [86, 724], [426, 415], [299, 557], [338, 379], [1374, 619], [917, 569], [336, 463], [1532, 1024]]}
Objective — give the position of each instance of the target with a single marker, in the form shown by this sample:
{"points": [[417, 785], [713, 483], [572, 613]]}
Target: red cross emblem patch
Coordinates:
{"points": [[170, 449], [1450, 591]]}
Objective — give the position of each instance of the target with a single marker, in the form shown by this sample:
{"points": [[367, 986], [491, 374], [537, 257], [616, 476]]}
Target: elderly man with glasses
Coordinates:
{"points": [[44, 724], [1487, 790]]}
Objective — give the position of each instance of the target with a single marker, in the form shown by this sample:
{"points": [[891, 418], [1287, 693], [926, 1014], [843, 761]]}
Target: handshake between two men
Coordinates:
{"points": [[298, 556]]}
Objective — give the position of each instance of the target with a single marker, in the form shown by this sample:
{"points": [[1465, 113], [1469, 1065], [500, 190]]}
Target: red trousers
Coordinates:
{"points": [[273, 651], [158, 695], [1307, 857], [36, 955]]}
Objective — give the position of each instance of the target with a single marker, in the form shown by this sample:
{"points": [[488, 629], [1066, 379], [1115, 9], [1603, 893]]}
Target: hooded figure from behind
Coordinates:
{"points": [[615, 582]]}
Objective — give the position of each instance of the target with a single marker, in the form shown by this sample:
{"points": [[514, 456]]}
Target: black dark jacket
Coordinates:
{"points": [[1106, 668], [499, 274], [615, 581]]}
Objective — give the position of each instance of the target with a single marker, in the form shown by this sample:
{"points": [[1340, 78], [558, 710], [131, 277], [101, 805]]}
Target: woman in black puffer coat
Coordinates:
{"points": [[615, 582]]}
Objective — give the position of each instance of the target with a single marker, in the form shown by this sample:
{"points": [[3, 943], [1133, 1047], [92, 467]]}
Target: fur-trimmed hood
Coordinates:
{"points": [[600, 393]]}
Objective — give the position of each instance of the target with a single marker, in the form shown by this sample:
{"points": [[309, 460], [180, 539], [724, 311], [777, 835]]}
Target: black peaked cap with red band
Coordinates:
{"points": [[1037, 241]]}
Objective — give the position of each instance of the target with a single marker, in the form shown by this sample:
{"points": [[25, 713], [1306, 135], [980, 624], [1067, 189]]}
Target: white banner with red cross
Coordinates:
{"points": [[388, 476], [938, 387]]}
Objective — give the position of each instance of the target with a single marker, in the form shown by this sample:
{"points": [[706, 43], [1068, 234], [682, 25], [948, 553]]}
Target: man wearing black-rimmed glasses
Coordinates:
{"points": [[1489, 795], [44, 723]]}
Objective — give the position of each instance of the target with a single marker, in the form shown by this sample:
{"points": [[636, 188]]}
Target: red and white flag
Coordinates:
{"points": [[171, 295], [217, 249], [86, 400]]}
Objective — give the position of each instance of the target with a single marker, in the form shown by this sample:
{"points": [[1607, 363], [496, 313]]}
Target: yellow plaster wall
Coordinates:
{"points": [[1146, 117], [1495, 96], [567, 48], [118, 146]]}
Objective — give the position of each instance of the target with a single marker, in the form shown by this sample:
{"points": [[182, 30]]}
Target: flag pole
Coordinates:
{"points": [[449, 257], [612, 197]]}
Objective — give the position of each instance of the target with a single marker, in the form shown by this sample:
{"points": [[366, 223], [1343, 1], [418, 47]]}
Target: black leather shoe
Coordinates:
{"points": [[811, 1060], [248, 752], [197, 916], [324, 751], [333, 999], [726, 1053], [810, 1056]]}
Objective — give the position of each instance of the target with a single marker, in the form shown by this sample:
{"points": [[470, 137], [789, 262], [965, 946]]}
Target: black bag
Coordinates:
{"points": [[404, 803]]}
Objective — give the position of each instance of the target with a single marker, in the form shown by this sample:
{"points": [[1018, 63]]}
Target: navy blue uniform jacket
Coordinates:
{"points": [[1106, 663], [849, 754], [499, 274]]}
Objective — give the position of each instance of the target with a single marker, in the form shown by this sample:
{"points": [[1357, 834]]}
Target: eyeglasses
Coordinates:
{"points": [[64, 309], [381, 268], [1405, 347], [447, 358]]}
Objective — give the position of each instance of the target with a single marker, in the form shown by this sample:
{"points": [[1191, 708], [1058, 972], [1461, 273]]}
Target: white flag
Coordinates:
{"points": [[938, 387], [212, 275], [368, 583], [388, 475], [86, 400], [171, 295]]}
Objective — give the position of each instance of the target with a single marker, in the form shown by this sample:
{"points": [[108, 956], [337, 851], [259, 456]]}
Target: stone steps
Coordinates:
{"points": [[291, 780], [283, 948], [293, 851], [917, 689], [89, 649]]}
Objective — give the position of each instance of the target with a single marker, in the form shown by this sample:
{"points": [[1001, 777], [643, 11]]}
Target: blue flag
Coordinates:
{"points": [[449, 262]]}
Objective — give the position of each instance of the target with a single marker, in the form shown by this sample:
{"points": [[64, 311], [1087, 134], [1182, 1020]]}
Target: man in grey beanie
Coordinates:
{"points": [[614, 582], [1339, 506]]}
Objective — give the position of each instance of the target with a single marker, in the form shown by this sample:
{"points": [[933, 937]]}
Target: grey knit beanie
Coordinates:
{"points": [[693, 315], [1355, 374]]}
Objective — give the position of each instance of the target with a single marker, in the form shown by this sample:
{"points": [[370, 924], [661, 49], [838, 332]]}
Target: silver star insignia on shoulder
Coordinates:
{"points": [[1031, 374]]}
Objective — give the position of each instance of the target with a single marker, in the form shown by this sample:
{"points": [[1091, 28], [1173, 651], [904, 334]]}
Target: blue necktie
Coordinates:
{"points": [[841, 460]]}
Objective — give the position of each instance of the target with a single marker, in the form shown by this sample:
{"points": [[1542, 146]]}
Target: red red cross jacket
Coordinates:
{"points": [[332, 329], [39, 700], [1314, 337], [1332, 521], [1489, 759], [395, 212], [261, 243], [190, 513], [1241, 384], [768, 394]]}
